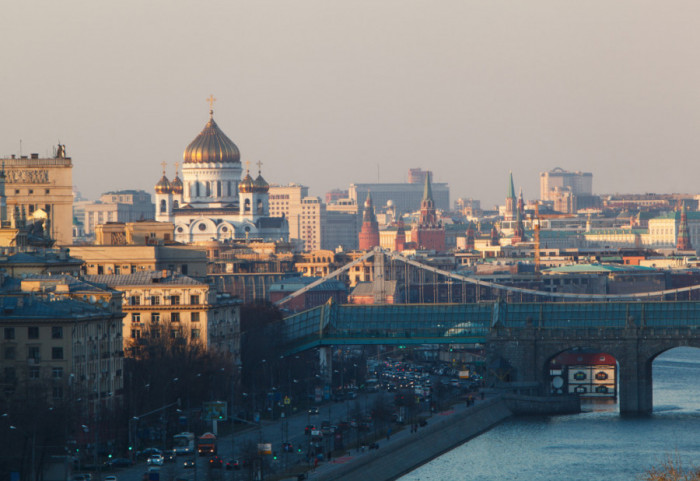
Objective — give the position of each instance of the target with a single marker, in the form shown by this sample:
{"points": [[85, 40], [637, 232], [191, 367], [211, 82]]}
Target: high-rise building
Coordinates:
{"points": [[285, 201], [580, 183], [406, 197], [417, 176], [33, 183]]}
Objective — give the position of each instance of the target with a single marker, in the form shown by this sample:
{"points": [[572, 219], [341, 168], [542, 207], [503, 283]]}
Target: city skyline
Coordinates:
{"points": [[330, 94]]}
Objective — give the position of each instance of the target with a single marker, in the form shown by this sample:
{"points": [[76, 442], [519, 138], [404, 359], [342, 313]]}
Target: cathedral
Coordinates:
{"points": [[211, 202]]}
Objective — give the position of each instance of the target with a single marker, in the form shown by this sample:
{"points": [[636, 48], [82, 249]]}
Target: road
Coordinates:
{"points": [[229, 447]]}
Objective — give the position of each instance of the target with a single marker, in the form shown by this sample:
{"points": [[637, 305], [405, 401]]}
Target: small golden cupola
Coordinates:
{"points": [[164, 186], [247, 184], [176, 185], [260, 185]]}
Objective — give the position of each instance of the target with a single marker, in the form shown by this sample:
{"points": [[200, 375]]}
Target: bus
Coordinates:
{"points": [[183, 443]]}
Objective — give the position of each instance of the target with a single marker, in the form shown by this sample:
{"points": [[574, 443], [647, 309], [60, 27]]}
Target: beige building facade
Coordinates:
{"points": [[178, 305], [131, 259], [33, 183]]}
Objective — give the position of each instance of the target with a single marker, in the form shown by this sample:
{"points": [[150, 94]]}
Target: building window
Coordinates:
{"points": [[34, 372], [56, 353], [10, 374], [175, 300], [175, 317], [9, 333], [33, 353], [33, 332], [57, 372], [194, 299], [194, 317], [10, 353], [136, 317], [155, 316], [57, 392], [155, 300], [195, 334], [173, 333], [135, 333], [56, 332], [135, 300]]}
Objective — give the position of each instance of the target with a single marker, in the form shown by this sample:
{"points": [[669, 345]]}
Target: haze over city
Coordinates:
{"points": [[328, 93]]}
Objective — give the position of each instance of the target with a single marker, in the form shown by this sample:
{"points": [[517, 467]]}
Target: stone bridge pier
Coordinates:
{"points": [[524, 354]]}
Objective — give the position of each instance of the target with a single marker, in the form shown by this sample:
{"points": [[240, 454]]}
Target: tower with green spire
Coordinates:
{"points": [[429, 233], [510, 200]]}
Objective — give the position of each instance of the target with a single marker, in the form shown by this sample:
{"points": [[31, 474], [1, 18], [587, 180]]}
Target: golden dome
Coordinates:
{"points": [[211, 145], [247, 185], [260, 184], [176, 185], [163, 186]]}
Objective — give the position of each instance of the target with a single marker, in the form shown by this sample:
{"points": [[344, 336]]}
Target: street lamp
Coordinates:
{"points": [[132, 437]]}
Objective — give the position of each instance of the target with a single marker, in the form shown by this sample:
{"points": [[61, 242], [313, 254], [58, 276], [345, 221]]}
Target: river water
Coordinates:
{"points": [[596, 444]]}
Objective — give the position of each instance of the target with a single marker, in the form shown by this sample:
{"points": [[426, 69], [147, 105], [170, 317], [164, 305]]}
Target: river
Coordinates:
{"points": [[596, 444]]}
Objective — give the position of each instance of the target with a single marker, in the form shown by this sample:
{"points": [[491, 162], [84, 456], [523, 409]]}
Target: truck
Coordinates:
{"points": [[206, 444]]}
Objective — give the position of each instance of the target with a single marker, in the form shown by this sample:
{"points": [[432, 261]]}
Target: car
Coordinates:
{"points": [[82, 477], [313, 410], [148, 452], [288, 447], [216, 462], [110, 477], [120, 463], [309, 428], [155, 460], [188, 463], [233, 464]]}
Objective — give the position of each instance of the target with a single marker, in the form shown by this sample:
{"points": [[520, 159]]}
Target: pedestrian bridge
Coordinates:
{"points": [[400, 324], [522, 338]]}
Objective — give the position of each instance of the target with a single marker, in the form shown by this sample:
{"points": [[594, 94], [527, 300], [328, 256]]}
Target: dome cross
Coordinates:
{"points": [[211, 101], [164, 163]]}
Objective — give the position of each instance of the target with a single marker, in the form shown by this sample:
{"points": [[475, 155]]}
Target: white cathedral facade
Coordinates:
{"points": [[211, 202]]}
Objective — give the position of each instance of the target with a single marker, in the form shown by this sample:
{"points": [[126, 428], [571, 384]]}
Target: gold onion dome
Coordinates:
{"points": [[247, 185], [164, 186], [176, 185], [211, 145], [260, 184]]}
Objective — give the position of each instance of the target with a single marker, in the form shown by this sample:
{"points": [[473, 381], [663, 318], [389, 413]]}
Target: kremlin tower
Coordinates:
{"points": [[683, 242], [369, 235], [510, 201], [429, 233]]}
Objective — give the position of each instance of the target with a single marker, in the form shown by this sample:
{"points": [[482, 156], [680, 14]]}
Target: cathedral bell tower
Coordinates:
{"points": [[164, 198], [253, 195]]}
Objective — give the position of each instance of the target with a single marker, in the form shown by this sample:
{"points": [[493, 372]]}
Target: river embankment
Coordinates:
{"points": [[407, 451]]}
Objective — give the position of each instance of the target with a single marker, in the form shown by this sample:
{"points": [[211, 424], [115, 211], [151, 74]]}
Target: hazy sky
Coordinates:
{"points": [[323, 91]]}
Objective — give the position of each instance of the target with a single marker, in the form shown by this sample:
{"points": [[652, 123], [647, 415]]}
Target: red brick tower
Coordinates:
{"points": [[683, 242], [369, 234]]}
